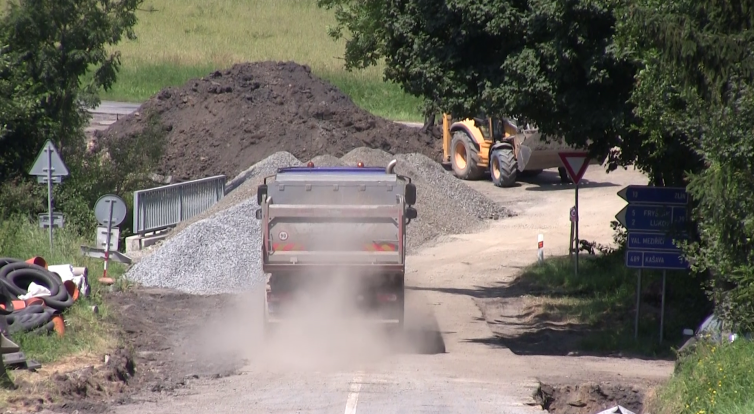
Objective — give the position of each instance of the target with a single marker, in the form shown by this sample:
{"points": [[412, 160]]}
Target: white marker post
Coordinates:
{"points": [[575, 164], [541, 248]]}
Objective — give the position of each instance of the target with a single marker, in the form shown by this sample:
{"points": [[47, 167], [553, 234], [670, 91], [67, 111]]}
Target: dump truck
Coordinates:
{"points": [[322, 225], [474, 147]]}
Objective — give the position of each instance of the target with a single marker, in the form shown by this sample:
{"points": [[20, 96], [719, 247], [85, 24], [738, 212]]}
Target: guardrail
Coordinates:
{"points": [[162, 207]]}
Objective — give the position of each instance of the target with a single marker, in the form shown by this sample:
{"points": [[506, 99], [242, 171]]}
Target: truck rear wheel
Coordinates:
{"points": [[503, 168], [464, 157]]}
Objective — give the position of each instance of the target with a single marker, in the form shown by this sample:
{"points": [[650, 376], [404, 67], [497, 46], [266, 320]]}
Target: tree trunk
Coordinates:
{"points": [[429, 122]]}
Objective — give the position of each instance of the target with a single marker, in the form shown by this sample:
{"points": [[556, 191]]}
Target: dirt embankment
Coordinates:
{"points": [[227, 121], [163, 348]]}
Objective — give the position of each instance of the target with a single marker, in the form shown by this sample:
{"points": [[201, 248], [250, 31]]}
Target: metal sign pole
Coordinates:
{"points": [[49, 194], [638, 304], [662, 306], [49, 166], [576, 164], [577, 229], [107, 240], [572, 219]]}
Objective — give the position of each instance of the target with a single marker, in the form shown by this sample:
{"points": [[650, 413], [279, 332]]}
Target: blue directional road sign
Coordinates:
{"points": [[637, 259], [652, 241], [651, 218], [644, 194]]}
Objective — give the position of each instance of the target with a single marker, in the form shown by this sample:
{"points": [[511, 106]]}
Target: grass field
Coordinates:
{"points": [[601, 301], [183, 39], [86, 333]]}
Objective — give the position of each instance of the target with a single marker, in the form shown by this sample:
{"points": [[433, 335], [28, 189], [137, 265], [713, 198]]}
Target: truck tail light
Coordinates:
{"points": [[387, 297]]}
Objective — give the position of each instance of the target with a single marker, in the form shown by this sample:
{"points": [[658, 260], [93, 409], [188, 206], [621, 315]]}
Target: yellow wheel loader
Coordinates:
{"points": [[472, 148]]}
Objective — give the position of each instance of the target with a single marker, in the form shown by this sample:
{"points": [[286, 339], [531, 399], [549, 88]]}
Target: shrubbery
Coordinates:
{"points": [[714, 379]]}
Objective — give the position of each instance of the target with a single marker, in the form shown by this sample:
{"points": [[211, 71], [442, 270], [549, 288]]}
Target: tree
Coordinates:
{"points": [[50, 45], [699, 57], [668, 82], [545, 62]]}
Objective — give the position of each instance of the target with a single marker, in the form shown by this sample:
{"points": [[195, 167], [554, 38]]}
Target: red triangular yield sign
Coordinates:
{"points": [[575, 163]]}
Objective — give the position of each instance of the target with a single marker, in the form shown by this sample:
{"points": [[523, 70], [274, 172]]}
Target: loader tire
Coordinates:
{"points": [[503, 168], [464, 157], [564, 178]]}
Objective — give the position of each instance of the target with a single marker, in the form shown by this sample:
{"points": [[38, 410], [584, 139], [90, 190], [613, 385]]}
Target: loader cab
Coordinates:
{"points": [[495, 129]]}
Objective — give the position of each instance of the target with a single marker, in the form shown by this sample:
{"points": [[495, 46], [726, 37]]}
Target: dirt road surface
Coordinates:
{"points": [[449, 361]]}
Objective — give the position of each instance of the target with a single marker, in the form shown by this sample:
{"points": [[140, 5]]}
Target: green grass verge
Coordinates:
{"points": [[712, 380], [86, 332], [602, 300], [182, 39]]}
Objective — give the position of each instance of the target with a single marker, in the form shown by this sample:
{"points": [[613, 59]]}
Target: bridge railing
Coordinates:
{"points": [[163, 207]]}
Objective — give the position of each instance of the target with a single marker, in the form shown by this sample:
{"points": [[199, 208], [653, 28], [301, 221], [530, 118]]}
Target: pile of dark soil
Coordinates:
{"points": [[588, 398], [227, 121]]}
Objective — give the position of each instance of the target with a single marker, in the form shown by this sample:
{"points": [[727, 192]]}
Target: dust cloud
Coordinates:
{"points": [[323, 330], [324, 326]]}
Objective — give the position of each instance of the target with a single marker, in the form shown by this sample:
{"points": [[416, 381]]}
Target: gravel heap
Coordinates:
{"points": [[219, 254], [444, 204], [431, 174], [327, 160], [233, 118], [371, 157], [218, 251]]}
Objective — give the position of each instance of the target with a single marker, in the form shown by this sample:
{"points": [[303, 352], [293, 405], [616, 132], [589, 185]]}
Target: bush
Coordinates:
{"points": [[713, 379], [114, 167]]}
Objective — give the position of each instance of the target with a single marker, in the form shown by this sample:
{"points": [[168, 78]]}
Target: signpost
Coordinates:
{"points": [[110, 211], [654, 217], [57, 220], [571, 239], [575, 164], [49, 169], [103, 235]]}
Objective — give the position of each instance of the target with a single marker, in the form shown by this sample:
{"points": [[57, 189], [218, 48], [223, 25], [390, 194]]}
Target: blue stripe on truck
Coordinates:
{"points": [[332, 169]]}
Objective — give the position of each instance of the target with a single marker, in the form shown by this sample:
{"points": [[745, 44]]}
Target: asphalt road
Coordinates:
{"points": [[112, 107]]}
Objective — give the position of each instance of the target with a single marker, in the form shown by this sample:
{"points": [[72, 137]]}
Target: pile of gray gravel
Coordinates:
{"points": [[327, 160], [219, 254], [371, 157], [421, 167], [444, 204]]}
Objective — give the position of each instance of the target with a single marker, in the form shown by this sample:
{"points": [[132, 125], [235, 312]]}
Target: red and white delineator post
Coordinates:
{"points": [[540, 248]]}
